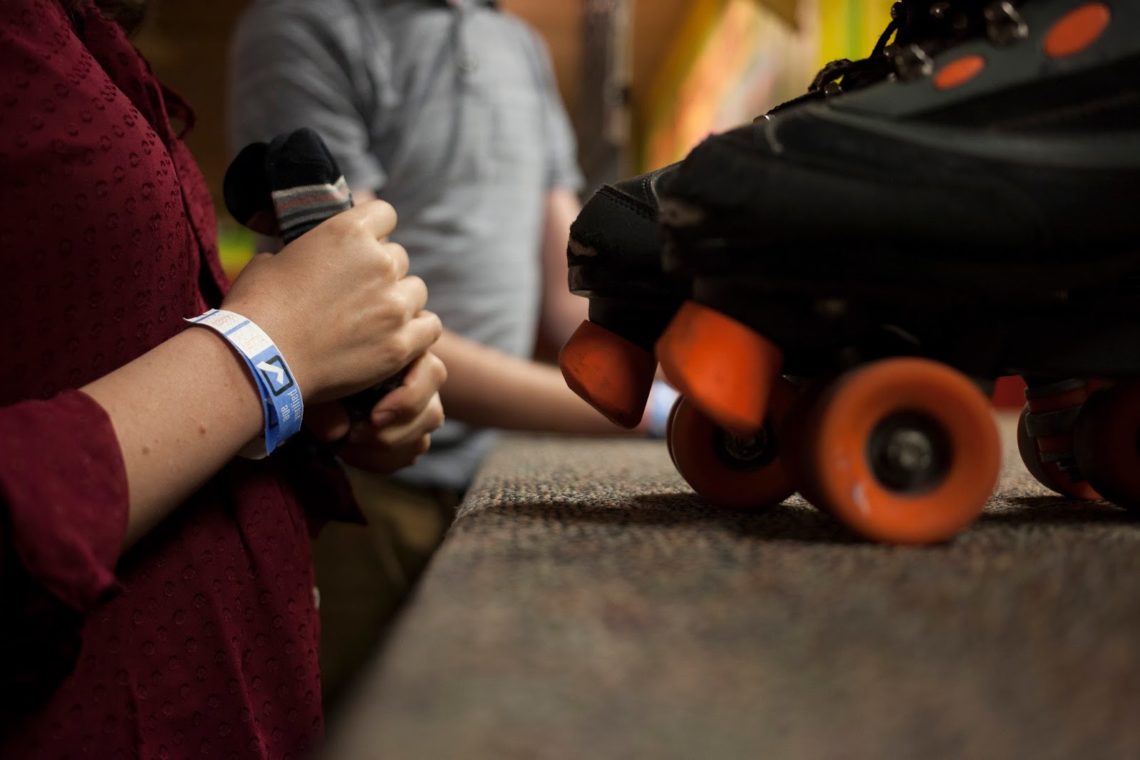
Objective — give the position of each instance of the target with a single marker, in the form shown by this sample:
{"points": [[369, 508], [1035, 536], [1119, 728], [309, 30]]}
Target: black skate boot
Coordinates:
{"points": [[971, 217], [615, 260], [615, 243]]}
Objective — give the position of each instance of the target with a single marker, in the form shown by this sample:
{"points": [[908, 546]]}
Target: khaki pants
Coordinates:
{"points": [[365, 572]]}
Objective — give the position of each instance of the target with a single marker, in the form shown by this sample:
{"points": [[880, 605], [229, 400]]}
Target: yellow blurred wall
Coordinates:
{"points": [[849, 28], [734, 59]]}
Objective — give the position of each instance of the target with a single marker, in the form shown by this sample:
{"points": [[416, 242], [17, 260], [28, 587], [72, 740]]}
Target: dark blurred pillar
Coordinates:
{"points": [[604, 123]]}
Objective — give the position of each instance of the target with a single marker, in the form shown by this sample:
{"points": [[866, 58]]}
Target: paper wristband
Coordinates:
{"points": [[280, 397]]}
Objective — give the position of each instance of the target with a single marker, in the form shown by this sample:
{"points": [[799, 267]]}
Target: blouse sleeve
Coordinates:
{"points": [[63, 498], [63, 515]]}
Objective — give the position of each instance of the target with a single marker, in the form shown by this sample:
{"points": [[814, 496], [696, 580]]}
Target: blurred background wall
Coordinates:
{"points": [[691, 65]]}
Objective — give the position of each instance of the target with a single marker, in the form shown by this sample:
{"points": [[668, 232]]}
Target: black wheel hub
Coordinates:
{"points": [[909, 452], [747, 453]]}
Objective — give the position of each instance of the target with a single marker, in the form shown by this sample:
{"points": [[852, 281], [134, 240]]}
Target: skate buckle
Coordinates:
{"points": [[1004, 24], [911, 61]]}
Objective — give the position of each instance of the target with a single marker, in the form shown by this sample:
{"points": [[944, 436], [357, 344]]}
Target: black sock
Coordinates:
{"points": [[286, 187], [306, 183]]}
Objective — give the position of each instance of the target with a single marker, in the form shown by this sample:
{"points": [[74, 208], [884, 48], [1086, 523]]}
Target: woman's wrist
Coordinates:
{"points": [[227, 373], [180, 412], [279, 325], [280, 394]]}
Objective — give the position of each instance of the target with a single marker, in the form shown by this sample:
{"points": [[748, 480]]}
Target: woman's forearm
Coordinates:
{"points": [[180, 412], [185, 408]]}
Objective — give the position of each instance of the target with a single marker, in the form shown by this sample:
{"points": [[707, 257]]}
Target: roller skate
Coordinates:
{"points": [[861, 266], [615, 244], [614, 259]]}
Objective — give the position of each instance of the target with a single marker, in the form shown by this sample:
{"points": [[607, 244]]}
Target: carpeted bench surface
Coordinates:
{"points": [[587, 604]]}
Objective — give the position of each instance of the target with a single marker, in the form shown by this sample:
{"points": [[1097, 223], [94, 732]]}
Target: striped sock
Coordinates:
{"points": [[286, 187], [305, 182]]}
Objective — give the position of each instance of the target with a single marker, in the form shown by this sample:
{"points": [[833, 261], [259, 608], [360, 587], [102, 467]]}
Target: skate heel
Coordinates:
{"points": [[723, 367], [612, 374]]}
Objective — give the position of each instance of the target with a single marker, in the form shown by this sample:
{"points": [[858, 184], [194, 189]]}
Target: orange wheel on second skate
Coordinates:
{"points": [[1048, 474], [728, 470], [669, 430], [904, 451], [1107, 443]]}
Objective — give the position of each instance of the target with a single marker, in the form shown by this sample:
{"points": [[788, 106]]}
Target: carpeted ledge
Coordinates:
{"points": [[587, 604]]}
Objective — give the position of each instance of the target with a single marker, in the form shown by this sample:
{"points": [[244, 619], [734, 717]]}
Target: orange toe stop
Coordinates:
{"points": [[610, 373], [722, 366]]}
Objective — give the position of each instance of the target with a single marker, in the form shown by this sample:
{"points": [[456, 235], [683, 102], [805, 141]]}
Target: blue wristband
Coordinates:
{"points": [[280, 397]]}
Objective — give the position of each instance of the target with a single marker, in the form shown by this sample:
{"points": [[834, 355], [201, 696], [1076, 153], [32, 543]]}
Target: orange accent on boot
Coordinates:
{"points": [[609, 372], [722, 366], [957, 73], [1077, 30]]}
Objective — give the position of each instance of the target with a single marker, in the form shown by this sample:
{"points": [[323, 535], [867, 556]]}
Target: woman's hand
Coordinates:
{"points": [[399, 428], [339, 303]]}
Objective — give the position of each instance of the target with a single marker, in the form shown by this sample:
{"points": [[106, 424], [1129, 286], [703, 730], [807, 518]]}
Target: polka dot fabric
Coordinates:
{"points": [[201, 641]]}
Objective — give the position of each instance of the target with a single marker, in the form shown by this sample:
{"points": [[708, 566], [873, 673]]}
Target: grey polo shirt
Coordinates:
{"points": [[449, 112]]}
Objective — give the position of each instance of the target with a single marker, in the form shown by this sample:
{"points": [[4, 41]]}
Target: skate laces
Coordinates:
{"points": [[919, 30]]}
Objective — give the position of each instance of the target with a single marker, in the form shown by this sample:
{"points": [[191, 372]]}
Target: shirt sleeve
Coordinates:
{"points": [[290, 68], [63, 497], [562, 172]]}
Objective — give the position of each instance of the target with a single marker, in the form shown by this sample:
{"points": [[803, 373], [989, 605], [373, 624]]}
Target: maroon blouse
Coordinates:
{"points": [[202, 640]]}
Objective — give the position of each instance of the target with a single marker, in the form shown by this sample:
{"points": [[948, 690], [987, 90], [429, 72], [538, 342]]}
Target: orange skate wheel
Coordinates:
{"points": [[721, 365], [669, 429], [730, 470], [610, 373], [904, 451], [1048, 474], [799, 433], [1107, 444]]}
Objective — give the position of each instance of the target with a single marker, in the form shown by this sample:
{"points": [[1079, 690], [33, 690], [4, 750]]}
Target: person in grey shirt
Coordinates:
{"points": [[449, 111]]}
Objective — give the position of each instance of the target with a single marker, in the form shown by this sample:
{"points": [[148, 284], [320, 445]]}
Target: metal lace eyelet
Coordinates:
{"points": [[1004, 24]]}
